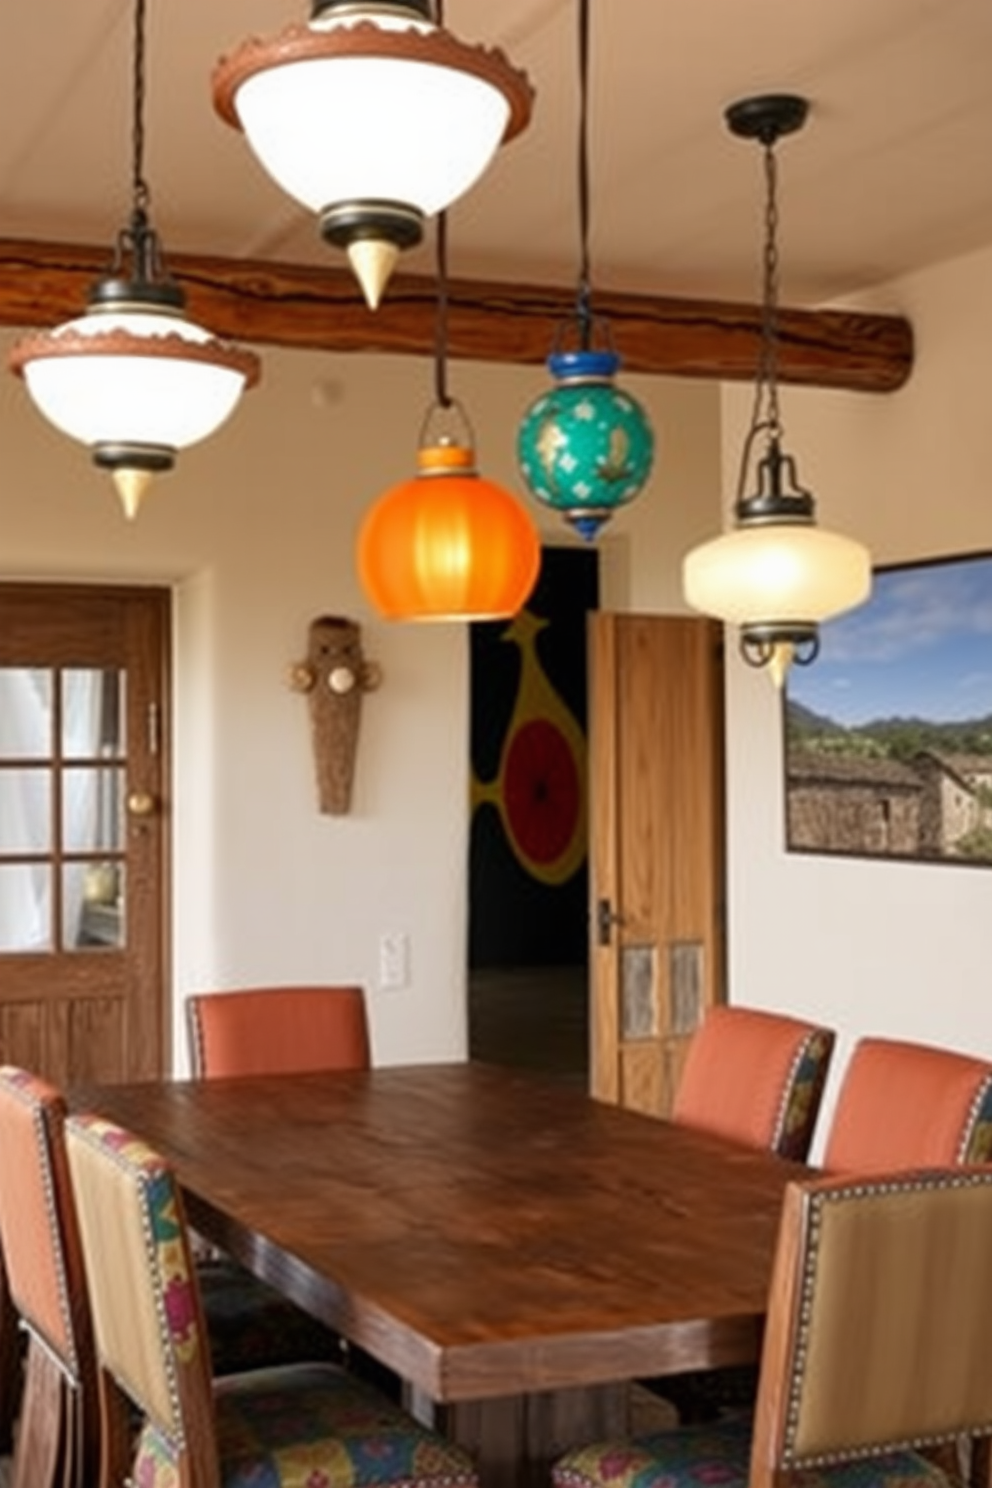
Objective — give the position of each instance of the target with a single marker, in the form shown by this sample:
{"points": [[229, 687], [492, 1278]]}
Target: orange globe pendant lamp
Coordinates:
{"points": [[447, 544]]}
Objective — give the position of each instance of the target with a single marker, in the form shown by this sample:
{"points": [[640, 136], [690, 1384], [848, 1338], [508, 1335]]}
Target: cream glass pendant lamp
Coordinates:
{"points": [[776, 575]]}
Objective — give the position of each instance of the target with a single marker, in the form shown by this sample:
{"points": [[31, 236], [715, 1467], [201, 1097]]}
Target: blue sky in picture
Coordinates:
{"points": [[920, 647]]}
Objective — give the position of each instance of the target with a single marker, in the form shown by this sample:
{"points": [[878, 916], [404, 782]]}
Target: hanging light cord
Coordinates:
{"points": [[584, 302], [441, 394], [139, 237], [140, 193], [765, 417], [442, 397]]}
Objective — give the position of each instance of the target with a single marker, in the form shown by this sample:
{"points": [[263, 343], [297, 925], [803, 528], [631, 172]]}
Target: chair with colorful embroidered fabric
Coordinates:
{"points": [[278, 1030], [877, 1348], [906, 1105], [756, 1077], [57, 1438], [299, 1423]]}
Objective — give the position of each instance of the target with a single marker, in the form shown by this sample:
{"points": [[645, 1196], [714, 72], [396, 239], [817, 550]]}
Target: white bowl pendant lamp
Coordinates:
{"points": [[374, 117], [777, 574], [132, 378]]}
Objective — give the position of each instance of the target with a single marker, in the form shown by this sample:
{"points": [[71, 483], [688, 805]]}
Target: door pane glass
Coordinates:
{"points": [[25, 907], [25, 713], [26, 810], [93, 906], [92, 813], [92, 714]]}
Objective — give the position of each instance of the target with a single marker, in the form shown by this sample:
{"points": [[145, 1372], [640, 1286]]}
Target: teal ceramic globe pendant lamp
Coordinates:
{"points": [[586, 447]]}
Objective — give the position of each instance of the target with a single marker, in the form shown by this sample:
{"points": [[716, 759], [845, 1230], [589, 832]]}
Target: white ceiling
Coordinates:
{"points": [[892, 172]]}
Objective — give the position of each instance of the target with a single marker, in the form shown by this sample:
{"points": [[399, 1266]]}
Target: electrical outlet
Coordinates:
{"points": [[394, 960]]}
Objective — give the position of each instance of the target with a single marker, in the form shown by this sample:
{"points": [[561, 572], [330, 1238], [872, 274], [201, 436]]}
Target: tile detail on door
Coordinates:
{"points": [[686, 981], [638, 992]]}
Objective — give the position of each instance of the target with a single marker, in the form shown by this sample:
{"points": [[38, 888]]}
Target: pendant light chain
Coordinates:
{"points": [[765, 413], [768, 374]]}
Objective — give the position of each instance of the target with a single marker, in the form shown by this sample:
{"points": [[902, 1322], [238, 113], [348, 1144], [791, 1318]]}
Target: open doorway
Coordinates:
{"points": [[528, 856]]}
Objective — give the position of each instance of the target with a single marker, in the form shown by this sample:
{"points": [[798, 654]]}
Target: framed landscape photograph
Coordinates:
{"points": [[888, 733]]}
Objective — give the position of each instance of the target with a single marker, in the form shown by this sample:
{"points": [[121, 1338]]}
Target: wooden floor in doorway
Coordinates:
{"points": [[532, 1018]]}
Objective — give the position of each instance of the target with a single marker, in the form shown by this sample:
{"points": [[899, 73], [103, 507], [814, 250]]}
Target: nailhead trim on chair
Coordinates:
{"points": [[19, 1088], [98, 1131], [979, 1116], [917, 1183], [810, 1048]]}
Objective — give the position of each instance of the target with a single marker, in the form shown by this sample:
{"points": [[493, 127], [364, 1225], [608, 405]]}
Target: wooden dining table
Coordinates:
{"points": [[514, 1250]]}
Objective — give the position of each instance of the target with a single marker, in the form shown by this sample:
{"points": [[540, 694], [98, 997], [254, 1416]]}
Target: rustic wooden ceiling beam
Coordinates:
{"points": [[321, 309]]}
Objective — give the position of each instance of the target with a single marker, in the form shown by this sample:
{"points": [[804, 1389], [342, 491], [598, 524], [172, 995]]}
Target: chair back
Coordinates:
{"points": [[38, 1230], [877, 1333], [756, 1077], [278, 1030], [147, 1316], [904, 1105]]}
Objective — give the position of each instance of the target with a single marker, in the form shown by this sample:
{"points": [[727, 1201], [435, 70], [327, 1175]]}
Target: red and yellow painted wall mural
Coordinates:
{"points": [[528, 870]]}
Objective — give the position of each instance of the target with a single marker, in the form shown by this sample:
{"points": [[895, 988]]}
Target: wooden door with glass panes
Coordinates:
{"points": [[83, 771], [656, 849]]}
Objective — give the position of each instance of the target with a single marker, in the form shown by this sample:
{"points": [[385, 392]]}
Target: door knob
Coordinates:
{"points": [[141, 803]]}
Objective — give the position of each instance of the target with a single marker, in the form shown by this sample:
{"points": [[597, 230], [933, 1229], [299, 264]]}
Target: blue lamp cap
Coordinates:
{"points": [[583, 366]]}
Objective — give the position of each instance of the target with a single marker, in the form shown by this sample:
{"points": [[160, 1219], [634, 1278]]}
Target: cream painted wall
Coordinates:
{"points": [[869, 947], [255, 531]]}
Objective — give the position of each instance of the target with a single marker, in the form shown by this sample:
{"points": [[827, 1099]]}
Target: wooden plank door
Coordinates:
{"points": [[84, 756], [656, 849]]}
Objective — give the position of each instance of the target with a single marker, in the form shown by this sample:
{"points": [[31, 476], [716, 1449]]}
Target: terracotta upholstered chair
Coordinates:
{"points": [[904, 1105], [57, 1440], [278, 1030], [303, 1423], [877, 1337], [755, 1077], [271, 1031]]}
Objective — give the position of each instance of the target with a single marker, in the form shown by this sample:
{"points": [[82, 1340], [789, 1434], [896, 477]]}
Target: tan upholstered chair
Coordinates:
{"points": [[755, 1077], [305, 1423], [57, 1440], [876, 1345], [278, 1030], [905, 1105]]}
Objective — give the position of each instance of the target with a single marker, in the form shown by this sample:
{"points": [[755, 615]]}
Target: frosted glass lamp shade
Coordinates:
{"points": [[134, 377], [375, 119], [448, 544], [135, 386], [777, 574]]}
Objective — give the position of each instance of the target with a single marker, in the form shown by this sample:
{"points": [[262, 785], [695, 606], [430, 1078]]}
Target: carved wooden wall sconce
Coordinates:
{"points": [[334, 676]]}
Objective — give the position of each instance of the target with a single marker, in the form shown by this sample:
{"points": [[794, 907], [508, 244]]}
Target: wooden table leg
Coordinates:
{"points": [[515, 1439]]}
